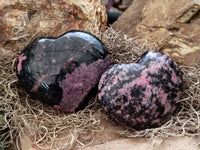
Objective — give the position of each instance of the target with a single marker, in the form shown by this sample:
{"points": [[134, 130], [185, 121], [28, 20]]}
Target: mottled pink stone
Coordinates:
{"points": [[143, 94]]}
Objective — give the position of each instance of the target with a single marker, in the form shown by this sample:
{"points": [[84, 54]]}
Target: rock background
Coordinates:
{"points": [[172, 26], [182, 143], [21, 21]]}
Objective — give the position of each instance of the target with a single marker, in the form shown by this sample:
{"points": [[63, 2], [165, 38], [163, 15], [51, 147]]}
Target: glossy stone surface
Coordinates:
{"points": [[63, 72], [143, 94]]}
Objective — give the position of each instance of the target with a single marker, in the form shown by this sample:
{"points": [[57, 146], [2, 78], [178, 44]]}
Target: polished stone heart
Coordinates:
{"points": [[143, 94], [63, 72]]}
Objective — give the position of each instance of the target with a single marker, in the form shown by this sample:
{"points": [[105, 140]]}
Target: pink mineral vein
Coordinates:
{"points": [[19, 66], [77, 84]]}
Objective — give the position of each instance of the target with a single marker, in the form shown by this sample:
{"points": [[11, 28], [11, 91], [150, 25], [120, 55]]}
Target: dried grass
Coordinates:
{"points": [[50, 128]]}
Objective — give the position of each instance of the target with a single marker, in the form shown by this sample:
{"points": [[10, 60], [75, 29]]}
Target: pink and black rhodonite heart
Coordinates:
{"points": [[63, 72], [141, 95]]}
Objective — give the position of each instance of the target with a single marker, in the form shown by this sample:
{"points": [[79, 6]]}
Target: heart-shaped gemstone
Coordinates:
{"points": [[63, 72], [143, 94]]}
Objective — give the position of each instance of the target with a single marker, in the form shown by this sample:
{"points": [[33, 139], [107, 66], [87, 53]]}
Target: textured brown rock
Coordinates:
{"points": [[129, 20], [22, 21], [181, 143], [172, 26]]}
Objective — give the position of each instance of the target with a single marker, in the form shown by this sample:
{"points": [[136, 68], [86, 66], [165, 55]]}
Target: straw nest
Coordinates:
{"points": [[52, 129]]}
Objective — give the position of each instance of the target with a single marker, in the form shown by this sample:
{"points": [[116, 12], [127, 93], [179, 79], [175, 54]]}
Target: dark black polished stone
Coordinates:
{"points": [[44, 63]]}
